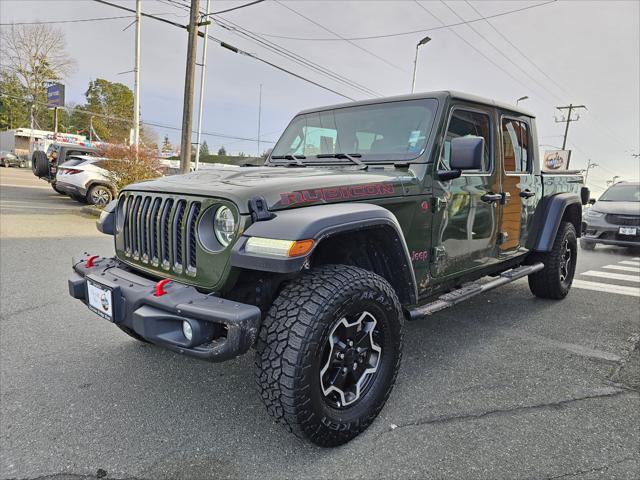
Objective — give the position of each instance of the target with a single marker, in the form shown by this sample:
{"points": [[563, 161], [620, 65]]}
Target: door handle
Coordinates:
{"points": [[491, 197], [527, 194]]}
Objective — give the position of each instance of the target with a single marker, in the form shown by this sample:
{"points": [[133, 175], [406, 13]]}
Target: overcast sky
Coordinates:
{"points": [[555, 53]]}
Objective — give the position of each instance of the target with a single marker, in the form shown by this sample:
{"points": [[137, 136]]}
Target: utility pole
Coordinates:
{"points": [[189, 84], [568, 119], [415, 61], [590, 165], [136, 81], [203, 68], [259, 118]]}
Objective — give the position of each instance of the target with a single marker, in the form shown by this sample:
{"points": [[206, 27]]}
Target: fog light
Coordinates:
{"points": [[186, 330]]}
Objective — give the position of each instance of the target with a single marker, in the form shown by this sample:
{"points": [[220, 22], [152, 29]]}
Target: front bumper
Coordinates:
{"points": [[222, 329], [599, 231]]}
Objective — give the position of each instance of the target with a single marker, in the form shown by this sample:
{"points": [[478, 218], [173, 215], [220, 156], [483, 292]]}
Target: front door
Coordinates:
{"points": [[518, 186], [466, 218]]}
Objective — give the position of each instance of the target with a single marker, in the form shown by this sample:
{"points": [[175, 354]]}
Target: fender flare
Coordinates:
{"points": [[318, 223], [549, 213]]}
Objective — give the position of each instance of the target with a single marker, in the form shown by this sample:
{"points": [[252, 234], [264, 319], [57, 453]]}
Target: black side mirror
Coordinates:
{"points": [[446, 175], [466, 153], [584, 195], [592, 201]]}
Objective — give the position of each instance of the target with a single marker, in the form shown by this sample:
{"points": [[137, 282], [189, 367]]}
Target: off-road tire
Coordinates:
{"points": [[291, 341], [547, 283], [585, 245], [40, 164]]}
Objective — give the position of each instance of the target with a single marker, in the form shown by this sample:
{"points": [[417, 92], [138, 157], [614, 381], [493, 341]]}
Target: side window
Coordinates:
{"points": [[515, 146], [465, 123]]}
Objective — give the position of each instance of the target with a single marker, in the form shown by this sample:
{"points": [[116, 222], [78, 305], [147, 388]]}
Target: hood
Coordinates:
{"points": [[284, 187], [618, 208]]}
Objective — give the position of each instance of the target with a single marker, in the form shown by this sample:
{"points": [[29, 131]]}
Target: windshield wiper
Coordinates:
{"points": [[353, 157], [296, 159]]}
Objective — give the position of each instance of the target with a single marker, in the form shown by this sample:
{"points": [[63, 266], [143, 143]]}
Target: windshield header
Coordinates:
{"points": [[390, 131]]}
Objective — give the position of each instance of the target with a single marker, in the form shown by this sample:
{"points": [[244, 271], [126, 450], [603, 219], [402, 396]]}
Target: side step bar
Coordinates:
{"points": [[472, 289]]}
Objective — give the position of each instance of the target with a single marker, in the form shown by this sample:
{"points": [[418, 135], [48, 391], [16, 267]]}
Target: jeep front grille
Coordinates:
{"points": [[160, 232]]}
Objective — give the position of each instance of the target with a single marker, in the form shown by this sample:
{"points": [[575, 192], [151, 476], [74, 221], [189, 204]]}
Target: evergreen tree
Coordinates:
{"points": [[204, 149], [222, 151]]}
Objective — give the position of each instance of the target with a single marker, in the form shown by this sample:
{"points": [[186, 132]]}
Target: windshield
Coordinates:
{"points": [[392, 131], [622, 193]]}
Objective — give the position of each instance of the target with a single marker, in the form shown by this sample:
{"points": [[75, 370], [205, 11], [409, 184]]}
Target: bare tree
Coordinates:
{"points": [[35, 54]]}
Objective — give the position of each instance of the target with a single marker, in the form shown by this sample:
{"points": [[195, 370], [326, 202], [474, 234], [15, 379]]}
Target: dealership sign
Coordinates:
{"points": [[556, 160], [55, 95]]}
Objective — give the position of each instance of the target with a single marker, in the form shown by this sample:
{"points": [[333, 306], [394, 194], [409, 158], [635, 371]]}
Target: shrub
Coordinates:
{"points": [[125, 167]]}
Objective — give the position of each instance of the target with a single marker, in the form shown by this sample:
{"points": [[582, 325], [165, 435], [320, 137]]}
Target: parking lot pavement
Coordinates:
{"points": [[503, 386]]}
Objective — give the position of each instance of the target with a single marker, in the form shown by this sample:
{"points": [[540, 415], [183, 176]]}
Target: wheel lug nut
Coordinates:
{"points": [[355, 365], [340, 355], [351, 343], [345, 370]]}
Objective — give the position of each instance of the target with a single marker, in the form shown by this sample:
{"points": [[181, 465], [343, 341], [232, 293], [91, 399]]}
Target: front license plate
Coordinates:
{"points": [[627, 231], [100, 300]]}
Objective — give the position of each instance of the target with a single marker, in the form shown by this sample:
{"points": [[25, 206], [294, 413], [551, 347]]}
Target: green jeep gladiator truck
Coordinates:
{"points": [[364, 216]]}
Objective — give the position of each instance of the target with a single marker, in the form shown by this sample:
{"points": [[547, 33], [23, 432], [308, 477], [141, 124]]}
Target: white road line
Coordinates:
{"points": [[629, 262], [635, 258], [623, 268], [605, 287], [613, 276], [9, 207]]}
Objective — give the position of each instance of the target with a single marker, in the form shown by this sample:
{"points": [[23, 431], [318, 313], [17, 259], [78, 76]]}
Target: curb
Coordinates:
{"points": [[91, 211]]}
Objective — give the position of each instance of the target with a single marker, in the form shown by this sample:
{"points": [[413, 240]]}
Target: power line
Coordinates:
{"points": [[78, 20], [236, 8], [520, 52], [501, 53], [410, 32], [326, 29], [489, 59], [282, 51], [232, 48], [144, 122]]}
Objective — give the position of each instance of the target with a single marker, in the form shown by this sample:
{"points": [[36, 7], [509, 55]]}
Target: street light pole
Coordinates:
{"points": [[521, 99], [259, 118], [415, 62], [136, 80], [203, 68], [590, 165]]}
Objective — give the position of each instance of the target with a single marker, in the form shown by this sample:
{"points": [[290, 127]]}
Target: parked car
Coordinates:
{"points": [[614, 219], [8, 159], [364, 216], [85, 179], [44, 165]]}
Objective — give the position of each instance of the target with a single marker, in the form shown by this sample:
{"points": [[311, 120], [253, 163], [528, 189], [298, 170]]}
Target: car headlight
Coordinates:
{"points": [[224, 225], [594, 214]]}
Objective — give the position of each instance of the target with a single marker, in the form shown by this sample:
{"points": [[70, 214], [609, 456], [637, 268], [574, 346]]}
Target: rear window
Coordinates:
{"points": [[72, 162]]}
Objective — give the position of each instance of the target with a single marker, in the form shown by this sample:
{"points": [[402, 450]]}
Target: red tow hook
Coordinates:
{"points": [[91, 261], [160, 291]]}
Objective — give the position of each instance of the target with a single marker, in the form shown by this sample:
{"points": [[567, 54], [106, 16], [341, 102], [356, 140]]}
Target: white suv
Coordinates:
{"points": [[85, 179]]}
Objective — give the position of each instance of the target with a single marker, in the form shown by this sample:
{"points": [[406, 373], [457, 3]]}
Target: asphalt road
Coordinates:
{"points": [[503, 386]]}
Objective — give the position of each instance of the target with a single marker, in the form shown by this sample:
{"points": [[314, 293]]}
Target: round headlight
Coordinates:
{"points": [[224, 225]]}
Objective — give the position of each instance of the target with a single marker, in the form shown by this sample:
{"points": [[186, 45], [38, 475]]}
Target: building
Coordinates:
{"points": [[23, 141]]}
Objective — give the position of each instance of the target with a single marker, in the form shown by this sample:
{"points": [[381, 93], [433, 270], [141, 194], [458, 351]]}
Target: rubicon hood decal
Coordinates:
{"points": [[342, 192]]}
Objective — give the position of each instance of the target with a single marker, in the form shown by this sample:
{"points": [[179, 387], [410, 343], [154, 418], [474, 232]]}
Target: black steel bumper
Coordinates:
{"points": [[222, 329]]}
